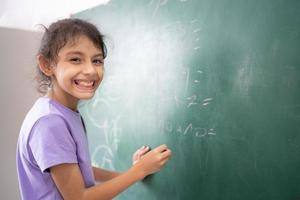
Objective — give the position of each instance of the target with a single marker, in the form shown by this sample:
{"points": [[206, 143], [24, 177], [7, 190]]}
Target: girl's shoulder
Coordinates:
{"points": [[45, 107], [43, 112]]}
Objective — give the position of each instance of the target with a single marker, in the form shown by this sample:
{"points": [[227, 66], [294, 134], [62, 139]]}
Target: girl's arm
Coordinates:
{"points": [[102, 175], [69, 181]]}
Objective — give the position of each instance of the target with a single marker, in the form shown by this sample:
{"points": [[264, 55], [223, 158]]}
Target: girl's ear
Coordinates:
{"points": [[45, 65]]}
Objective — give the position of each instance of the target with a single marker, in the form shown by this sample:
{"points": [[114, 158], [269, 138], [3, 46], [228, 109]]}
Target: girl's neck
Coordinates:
{"points": [[65, 100]]}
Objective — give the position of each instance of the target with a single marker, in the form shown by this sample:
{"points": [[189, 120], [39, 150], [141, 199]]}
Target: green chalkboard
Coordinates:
{"points": [[216, 80]]}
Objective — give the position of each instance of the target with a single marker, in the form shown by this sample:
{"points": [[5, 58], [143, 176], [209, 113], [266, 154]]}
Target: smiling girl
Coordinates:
{"points": [[53, 160]]}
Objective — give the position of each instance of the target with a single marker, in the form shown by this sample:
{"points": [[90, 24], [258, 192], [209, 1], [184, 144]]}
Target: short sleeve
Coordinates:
{"points": [[51, 142]]}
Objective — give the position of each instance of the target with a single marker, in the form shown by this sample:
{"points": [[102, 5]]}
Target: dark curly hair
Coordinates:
{"points": [[57, 35]]}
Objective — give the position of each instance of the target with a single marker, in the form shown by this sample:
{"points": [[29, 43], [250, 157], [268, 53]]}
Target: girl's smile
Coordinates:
{"points": [[85, 85]]}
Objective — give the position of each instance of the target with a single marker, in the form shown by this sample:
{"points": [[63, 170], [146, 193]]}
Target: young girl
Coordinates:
{"points": [[52, 154]]}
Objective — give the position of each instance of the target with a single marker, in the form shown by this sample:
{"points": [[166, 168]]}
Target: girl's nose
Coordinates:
{"points": [[88, 68]]}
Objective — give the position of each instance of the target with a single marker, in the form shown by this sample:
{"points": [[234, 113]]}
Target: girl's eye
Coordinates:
{"points": [[75, 60], [98, 61]]}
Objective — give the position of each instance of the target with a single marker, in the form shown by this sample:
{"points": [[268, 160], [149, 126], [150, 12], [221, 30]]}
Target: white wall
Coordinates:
{"points": [[17, 90], [27, 14]]}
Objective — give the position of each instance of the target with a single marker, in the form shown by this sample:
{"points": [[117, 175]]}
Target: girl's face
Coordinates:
{"points": [[78, 72]]}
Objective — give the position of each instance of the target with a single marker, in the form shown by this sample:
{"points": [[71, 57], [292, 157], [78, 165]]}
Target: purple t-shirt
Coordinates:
{"points": [[51, 134]]}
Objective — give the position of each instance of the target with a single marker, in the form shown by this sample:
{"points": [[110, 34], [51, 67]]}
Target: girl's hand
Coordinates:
{"points": [[139, 153], [153, 161]]}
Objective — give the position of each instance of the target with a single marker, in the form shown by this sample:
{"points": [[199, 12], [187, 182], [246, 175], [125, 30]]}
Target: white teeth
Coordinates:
{"points": [[84, 83]]}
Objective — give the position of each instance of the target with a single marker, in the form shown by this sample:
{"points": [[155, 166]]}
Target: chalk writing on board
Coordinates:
{"points": [[159, 3], [167, 127], [193, 100], [187, 72], [206, 101], [106, 161], [111, 132]]}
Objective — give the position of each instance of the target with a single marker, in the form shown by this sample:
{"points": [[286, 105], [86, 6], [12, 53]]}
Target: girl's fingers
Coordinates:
{"points": [[139, 153], [166, 153], [144, 151], [135, 155], [161, 148]]}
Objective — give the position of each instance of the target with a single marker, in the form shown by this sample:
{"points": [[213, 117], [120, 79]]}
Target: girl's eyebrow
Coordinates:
{"points": [[75, 52], [80, 53], [98, 55]]}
